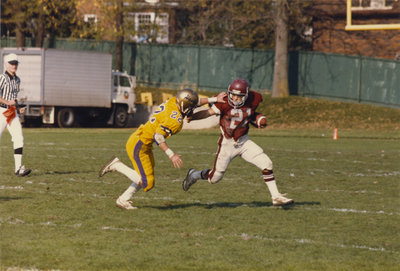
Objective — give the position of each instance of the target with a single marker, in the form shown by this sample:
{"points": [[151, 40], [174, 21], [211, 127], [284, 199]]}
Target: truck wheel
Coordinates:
{"points": [[66, 118], [121, 117]]}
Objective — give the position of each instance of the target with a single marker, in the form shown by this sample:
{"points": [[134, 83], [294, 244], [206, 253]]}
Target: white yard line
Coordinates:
{"points": [[152, 198], [242, 236], [245, 236], [28, 269]]}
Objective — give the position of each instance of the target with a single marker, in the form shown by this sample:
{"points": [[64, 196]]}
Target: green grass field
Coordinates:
{"points": [[63, 217]]}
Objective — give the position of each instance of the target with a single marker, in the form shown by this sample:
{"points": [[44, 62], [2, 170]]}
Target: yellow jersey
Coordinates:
{"points": [[166, 120]]}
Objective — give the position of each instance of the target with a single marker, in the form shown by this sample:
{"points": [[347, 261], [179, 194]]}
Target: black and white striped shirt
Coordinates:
{"points": [[9, 86]]}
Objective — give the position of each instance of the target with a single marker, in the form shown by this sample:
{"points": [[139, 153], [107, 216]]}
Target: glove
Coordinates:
{"points": [[10, 114]]}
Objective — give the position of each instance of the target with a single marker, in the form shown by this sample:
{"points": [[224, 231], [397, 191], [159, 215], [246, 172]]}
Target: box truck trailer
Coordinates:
{"points": [[67, 88]]}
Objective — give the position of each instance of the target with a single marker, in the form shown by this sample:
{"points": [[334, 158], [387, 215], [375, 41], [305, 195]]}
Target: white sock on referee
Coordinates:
{"points": [[18, 161]]}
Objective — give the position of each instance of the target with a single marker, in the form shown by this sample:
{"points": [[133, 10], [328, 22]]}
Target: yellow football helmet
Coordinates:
{"points": [[187, 100]]}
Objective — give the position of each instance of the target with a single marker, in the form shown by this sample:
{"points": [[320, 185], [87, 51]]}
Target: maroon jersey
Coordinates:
{"points": [[235, 121]]}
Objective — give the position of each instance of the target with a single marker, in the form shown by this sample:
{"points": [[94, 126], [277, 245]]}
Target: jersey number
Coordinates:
{"points": [[174, 114], [238, 116], [177, 116]]}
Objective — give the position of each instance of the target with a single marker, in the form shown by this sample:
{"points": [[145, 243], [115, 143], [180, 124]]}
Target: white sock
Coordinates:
{"points": [[18, 161], [128, 194], [127, 171], [273, 189]]}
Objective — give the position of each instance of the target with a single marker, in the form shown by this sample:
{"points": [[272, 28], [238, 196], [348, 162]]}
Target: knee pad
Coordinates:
{"points": [[215, 176], [263, 162]]}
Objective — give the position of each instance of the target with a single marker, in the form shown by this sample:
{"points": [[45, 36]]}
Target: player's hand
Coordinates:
{"points": [[221, 96], [188, 119], [176, 160]]}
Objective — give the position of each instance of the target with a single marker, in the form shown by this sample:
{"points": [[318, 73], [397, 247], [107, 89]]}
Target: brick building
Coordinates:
{"points": [[329, 34], [139, 16]]}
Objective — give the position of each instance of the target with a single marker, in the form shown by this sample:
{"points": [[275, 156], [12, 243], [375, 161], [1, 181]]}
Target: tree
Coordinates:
{"points": [[281, 83], [110, 25], [119, 43], [236, 23], [290, 27], [14, 15], [38, 19]]}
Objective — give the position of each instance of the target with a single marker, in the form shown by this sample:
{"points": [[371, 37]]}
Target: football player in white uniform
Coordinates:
{"points": [[235, 116]]}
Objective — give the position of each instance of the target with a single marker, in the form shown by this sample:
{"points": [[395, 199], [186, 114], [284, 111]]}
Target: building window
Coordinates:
{"points": [[148, 24], [144, 19], [371, 4], [90, 18]]}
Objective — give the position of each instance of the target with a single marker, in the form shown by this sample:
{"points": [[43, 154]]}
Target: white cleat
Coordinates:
{"points": [[125, 204], [107, 167], [281, 200]]}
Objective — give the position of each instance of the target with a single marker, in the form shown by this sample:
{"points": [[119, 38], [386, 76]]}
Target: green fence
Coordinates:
{"points": [[342, 77], [311, 74]]}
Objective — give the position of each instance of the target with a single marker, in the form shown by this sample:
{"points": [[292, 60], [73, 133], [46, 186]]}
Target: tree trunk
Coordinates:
{"points": [[120, 36], [281, 81], [20, 26], [19, 36], [39, 38]]}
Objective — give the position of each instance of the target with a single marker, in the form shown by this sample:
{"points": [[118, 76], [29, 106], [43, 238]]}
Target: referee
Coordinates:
{"points": [[9, 88]]}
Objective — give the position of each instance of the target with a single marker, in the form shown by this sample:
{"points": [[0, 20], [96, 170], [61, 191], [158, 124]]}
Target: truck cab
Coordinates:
{"points": [[123, 97]]}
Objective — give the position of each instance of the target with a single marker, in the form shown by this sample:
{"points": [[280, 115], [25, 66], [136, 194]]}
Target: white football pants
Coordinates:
{"points": [[244, 147]]}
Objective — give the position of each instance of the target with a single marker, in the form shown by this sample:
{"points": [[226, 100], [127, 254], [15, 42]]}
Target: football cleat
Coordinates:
{"points": [[22, 171], [281, 200], [107, 167], [125, 204], [189, 180]]}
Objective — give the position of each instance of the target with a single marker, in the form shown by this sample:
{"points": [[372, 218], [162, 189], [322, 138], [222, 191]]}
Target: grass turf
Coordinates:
{"points": [[63, 217]]}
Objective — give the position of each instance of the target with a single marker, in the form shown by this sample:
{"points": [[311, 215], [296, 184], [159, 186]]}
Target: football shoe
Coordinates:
{"points": [[189, 180], [281, 200], [107, 167], [125, 204], [22, 171]]}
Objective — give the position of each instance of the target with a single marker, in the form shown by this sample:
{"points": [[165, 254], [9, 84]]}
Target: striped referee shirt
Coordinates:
{"points": [[9, 87]]}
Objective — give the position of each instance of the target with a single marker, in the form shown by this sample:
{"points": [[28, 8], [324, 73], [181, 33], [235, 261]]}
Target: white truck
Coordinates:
{"points": [[68, 88]]}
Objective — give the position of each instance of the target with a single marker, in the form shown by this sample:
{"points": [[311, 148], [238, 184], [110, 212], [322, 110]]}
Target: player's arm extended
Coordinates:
{"points": [[201, 114], [216, 99], [175, 158]]}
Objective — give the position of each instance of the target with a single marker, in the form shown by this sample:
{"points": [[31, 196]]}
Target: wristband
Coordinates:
{"points": [[169, 153], [212, 100]]}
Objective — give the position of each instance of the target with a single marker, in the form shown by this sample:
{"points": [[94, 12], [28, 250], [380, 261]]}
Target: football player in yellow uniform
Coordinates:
{"points": [[166, 121]]}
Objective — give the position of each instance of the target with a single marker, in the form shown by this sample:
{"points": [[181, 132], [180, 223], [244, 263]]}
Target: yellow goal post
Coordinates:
{"points": [[351, 27]]}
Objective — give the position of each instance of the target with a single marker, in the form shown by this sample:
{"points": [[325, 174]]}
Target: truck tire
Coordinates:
{"points": [[66, 118], [120, 116]]}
